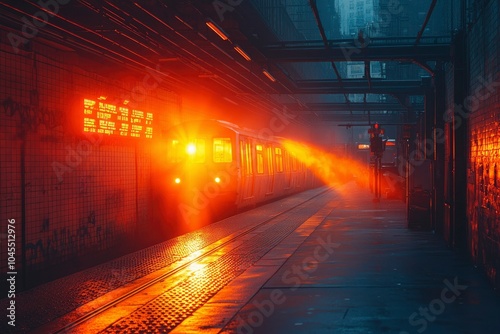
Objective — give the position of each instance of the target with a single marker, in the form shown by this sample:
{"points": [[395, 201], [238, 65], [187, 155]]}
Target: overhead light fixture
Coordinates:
{"points": [[242, 53], [125, 102], [102, 98], [217, 30], [269, 76]]}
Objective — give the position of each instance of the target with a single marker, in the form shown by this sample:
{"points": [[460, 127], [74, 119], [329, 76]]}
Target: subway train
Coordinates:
{"points": [[213, 168]]}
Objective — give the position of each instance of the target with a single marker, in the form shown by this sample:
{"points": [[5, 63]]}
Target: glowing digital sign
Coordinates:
{"points": [[109, 119]]}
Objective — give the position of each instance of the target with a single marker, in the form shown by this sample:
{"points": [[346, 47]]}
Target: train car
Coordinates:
{"points": [[214, 167]]}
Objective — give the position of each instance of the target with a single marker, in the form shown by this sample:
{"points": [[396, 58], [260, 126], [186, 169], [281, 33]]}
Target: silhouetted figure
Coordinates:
{"points": [[361, 38]]}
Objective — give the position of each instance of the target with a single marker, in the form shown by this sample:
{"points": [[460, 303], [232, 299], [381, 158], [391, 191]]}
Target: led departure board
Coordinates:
{"points": [[109, 119]]}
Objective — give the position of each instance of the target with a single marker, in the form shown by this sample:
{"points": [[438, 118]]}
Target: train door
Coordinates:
{"points": [[247, 174], [270, 169]]}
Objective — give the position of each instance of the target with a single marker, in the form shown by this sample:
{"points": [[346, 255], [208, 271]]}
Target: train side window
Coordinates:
{"points": [[270, 169], [278, 153], [249, 158], [246, 156], [260, 159], [222, 150]]}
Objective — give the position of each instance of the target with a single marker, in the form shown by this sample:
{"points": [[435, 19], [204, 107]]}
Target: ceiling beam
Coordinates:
{"points": [[337, 107], [357, 118], [314, 8], [348, 51], [427, 18], [360, 86]]}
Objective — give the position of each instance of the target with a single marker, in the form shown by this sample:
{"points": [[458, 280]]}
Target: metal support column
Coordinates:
{"points": [[439, 150], [429, 143]]}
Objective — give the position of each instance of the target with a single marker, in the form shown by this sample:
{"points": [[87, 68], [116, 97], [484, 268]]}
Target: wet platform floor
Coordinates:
{"points": [[338, 263]]}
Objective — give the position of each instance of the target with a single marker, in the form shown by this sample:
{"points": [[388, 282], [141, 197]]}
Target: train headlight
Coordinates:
{"points": [[217, 179], [177, 180], [191, 149]]}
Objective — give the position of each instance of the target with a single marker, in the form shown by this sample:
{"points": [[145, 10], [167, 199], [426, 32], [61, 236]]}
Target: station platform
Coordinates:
{"points": [[321, 261]]}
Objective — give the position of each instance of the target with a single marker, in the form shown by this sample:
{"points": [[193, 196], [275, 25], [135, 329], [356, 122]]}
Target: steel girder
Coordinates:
{"points": [[352, 51], [360, 86]]}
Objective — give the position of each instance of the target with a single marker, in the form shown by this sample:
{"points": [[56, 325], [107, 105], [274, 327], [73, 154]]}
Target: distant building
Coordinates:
{"points": [[355, 15], [356, 18]]}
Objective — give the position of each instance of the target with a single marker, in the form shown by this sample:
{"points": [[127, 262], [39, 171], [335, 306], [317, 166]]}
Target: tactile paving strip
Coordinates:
{"points": [[169, 309]]}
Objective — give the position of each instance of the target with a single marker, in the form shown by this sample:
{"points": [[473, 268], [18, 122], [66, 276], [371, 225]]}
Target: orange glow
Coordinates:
{"points": [[195, 266], [363, 146], [330, 168], [217, 180], [191, 149], [177, 180], [116, 120], [242, 53], [217, 30], [268, 75]]}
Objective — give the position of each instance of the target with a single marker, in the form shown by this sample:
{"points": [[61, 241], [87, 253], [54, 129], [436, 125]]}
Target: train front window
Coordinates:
{"points": [[222, 150], [192, 151]]}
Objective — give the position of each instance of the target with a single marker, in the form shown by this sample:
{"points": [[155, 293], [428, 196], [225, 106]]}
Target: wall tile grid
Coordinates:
{"points": [[80, 194]]}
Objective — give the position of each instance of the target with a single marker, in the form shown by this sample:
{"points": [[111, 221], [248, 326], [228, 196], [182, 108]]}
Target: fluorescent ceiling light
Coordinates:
{"points": [[217, 30], [268, 75], [242, 53]]}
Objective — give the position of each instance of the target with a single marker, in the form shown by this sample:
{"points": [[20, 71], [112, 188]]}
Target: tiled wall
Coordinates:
{"points": [[78, 194]]}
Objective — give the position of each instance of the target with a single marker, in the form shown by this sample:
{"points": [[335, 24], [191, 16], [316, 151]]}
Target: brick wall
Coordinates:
{"points": [[483, 103]]}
